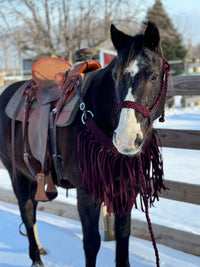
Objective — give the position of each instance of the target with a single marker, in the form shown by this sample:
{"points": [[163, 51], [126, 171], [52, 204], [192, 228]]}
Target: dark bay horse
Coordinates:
{"points": [[125, 98]]}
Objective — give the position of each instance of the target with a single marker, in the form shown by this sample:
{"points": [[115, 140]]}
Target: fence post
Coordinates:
{"points": [[108, 221], [186, 65]]}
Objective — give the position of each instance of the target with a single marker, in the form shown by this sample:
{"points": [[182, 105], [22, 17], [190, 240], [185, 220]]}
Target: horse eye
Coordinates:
{"points": [[154, 77]]}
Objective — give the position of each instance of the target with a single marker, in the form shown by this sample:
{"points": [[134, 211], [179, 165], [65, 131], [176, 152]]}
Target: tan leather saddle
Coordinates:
{"points": [[52, 88]]}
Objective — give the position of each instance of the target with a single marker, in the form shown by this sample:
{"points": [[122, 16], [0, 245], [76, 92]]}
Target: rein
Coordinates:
{"points": [[147, 113]]}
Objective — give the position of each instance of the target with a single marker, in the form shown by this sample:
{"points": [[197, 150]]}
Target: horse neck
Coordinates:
{"points": [[102, 99]]}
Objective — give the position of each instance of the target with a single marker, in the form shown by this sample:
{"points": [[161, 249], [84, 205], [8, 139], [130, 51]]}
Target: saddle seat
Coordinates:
{"points": [[50, 91], [43, 73]]}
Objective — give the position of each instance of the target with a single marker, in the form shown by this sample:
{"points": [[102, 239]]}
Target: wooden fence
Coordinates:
{"points": [[184, 192], [187, 139], [190, 193]]}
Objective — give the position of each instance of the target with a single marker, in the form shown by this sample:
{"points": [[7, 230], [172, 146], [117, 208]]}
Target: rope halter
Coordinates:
{"points": [[147, 113]]}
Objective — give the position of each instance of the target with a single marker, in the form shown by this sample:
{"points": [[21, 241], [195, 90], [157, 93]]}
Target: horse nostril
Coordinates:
{"points": [[138, 141]]}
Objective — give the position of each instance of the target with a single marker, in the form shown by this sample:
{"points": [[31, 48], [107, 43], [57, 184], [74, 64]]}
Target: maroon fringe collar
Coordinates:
{"points": [[116, 179]]}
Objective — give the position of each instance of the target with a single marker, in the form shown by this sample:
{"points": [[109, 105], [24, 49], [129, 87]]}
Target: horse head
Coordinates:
{"points": [[140, 93]]}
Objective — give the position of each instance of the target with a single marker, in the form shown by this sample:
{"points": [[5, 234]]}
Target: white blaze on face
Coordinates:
{"points": [[128, 129], [132, 68]]}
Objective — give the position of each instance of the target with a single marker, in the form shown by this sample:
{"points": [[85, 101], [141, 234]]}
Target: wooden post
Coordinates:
{"points": [[196, 66], [108, 221], [2, 77], [186, 65]]}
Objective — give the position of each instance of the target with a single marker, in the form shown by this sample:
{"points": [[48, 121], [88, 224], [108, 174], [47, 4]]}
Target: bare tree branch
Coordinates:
{"points": [[59, 27]]}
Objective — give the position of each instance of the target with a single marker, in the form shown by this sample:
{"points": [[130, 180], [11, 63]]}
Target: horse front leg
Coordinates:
{"points": [[122, 233], [25, 190], [89, 214]]}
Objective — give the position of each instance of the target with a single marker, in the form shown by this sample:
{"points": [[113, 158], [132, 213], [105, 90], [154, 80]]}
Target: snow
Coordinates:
{"points": [[63, 240], [64, 245], [182, 164]]}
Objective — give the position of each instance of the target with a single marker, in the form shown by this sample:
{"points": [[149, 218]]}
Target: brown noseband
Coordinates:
{"points": [[147, 113]]}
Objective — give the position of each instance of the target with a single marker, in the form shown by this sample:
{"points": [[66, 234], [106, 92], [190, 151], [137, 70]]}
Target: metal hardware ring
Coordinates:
{"points": [[82, 117]]}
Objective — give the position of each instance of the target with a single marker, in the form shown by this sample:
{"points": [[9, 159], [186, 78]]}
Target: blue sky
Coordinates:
{"points": [[185, 15]]}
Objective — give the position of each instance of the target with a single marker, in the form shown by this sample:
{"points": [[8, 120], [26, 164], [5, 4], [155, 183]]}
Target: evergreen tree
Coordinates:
{"points": [[170, 38]]}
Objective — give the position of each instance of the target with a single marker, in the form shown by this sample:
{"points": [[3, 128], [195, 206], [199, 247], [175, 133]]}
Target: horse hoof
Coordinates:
{"points": [[37, 264], [43, 251]]}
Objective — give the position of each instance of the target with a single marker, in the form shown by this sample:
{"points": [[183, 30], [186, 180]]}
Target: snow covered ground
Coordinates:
{"points": [[63, 240], [64, 244]]}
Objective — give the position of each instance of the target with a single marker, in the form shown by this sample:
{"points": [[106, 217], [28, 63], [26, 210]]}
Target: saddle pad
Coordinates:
{"points": [[14, 103]]}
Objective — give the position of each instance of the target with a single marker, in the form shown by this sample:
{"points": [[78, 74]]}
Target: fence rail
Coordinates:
{"points": [[183, 192], [184, 85], [187, 139]]}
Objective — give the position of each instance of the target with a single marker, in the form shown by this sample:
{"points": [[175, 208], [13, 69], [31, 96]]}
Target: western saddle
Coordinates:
{"points": [[42, 103]]}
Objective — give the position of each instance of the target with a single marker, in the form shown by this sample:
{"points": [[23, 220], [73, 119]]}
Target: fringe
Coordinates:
{"points": [[116, 179]]}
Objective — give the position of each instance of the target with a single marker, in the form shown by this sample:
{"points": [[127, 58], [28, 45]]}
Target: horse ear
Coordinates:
{"points": [[151, 36], [119, 39]]}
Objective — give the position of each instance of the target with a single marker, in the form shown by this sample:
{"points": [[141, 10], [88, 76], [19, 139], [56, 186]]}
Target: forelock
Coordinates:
{"points": [[127, 55]]}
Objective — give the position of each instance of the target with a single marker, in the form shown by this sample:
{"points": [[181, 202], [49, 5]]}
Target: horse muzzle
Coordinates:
{"points": [[128, 146]]}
